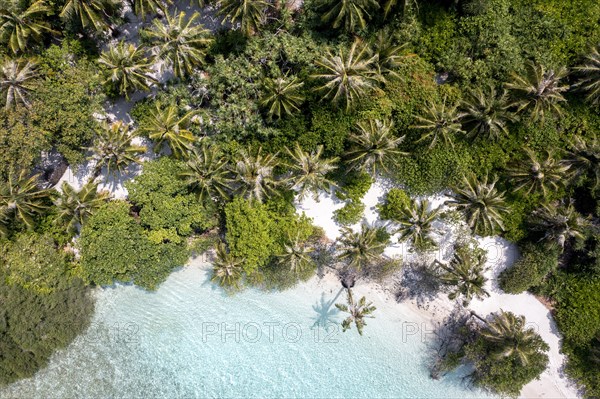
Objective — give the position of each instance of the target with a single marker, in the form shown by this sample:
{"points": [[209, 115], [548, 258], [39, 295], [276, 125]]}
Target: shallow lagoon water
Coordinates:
{"points": [[189, 339]]}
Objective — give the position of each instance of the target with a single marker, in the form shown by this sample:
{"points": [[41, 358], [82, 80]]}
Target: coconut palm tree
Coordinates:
{"points": [[389, 5], [309, 171], [282, 96], [358, 312], [584, 158], [164, 125], [19, 24], [539, 91], [144, 7], [249, 14], [126, 68], [481, 203], [112, 149], [465, 272], [389, 55], [207, 172], [93, 14], [559, 224], [227, 269], [440, 123], [180, 42], [486, 114], [349, 75], [16, 81], [74, 207], [360, 249], [415, 223], [253, 174], [350, 14], [508, 335], [374, 146], [21, 198], [296, 255], [589, 76], [537, 176]]}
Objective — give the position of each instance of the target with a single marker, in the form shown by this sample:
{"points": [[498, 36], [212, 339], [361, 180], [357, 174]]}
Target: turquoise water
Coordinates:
{"points": [[188, 339]]}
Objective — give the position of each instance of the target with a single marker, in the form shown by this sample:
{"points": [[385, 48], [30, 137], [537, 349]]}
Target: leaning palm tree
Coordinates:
{"points": [[349, 75], [538, 176], [144, 7], [481, 203], [374, 146], [21, 198], [589, 76], [415, 223], [164, 125], [584, 159], [16, 78], [180, 42], [465, 273], [539, 91], [349, 14], [360, 249], [559, 224], [126, 68], [207, 173], [94, 14], [296, 255], [309, 171], [282, 96], [74, 207], [357, 312], [508, 335], [112, 149], [19, 24], [254, 176], [440, 123], [486, 114], [227, 269], [249, 14]]}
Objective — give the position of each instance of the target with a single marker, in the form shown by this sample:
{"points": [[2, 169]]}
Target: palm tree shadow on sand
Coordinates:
{"points": [[326, 313]]}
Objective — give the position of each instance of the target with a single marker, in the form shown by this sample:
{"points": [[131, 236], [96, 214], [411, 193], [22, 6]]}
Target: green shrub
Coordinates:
{"points": [[530, 269], [395, 200], [350, 213]]}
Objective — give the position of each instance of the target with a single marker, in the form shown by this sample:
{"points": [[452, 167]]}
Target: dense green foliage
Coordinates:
{"points": [[530, 269]]}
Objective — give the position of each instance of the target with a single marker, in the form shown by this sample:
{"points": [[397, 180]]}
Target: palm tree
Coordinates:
{"points": [[144, 7], [349, 75], [74, 207], [360, 249], [389, 5], [16, 78], [584, 158], [465, 273], [296, 255], [589, 72], [227, 269], [207, 173], [415, 223], [309, 171], [165, 125], [282, 96], [182, 43], [539, 91], [440, 123], [389, 55], [253, 174], [19, 24], [21, 199], [250, 14], [558, 223], [481, 203], [485, 114], [113, 149], [90, 13], [533, 176], [127, 68], [357, 312], [374, 146], [508, 335], [351, 14]]}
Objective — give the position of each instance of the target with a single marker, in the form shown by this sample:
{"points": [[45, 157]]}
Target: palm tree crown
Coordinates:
{"points": [[74, 207], [389, 55], [207, 172], [481, 203], [20, 198], [358, 312], [296, 255], [18, 24], [250, 14], [465, 273], [165, 125], [584, 158], [485, 114], [16, 78], [90, 13], [349, 14], [253, 174], [415, 223], [144, 7], [227, 269], [533, 176], [360, 249], [282, 96], [589, 72], [440, 123], [309, 171], [559, 223]]}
